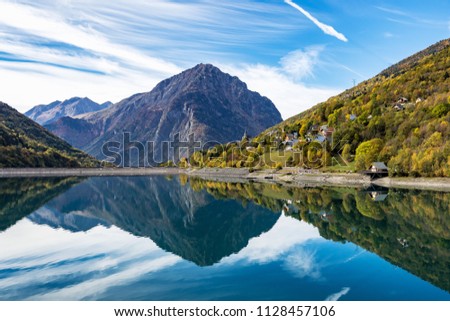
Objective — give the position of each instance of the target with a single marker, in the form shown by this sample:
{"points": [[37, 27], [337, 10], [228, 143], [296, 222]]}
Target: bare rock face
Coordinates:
{"points": [[202, 103]]}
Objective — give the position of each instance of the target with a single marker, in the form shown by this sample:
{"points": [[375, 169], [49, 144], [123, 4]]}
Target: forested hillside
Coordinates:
{"points": [[400, 117], [24, 143]]}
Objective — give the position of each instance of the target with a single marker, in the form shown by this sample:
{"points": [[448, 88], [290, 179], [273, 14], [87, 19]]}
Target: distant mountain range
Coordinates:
{"points": [[202, 103], [45, 114], [24, 143]]}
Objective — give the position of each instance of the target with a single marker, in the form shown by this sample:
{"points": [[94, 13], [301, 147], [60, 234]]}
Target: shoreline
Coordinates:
{"points": [[286, 176], [440, 184], [87, 172]]}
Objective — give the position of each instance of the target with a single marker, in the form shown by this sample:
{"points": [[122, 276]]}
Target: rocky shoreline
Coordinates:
{"points": [[286, 176], [296, 177], [291, 177]]}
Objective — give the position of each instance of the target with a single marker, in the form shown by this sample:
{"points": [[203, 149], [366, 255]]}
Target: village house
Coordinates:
{"points": [[378, 196], [289, 138], [323, 128], [314, 129], [377, 170], [277, 140], [328, 133], [400, 104], [327, 217], [378, 167], [398, 107], [290, 141], [319, 134], [319, 138]]}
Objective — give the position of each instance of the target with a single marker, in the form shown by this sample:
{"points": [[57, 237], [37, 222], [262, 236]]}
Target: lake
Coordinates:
{"points": [[180, 238]]}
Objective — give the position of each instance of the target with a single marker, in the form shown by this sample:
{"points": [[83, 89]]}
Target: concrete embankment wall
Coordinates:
{"points": [[64, 172]]}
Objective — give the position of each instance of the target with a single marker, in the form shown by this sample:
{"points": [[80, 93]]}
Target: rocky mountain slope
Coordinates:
{"points": [[203, 101], [44, 114]]}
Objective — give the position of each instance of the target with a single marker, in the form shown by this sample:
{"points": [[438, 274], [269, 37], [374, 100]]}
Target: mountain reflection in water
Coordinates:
{"points": [[221, 228]]}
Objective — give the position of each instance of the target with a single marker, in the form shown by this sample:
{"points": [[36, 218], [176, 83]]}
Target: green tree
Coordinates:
{"points": [[260, 149], [346, 152], [183, 163], [368, 152], [303, 130]]}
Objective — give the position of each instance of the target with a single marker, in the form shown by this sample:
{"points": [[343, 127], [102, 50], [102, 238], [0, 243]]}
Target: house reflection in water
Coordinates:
{"points": [[378, 196]]}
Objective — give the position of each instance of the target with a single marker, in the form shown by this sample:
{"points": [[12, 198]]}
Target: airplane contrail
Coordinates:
{"points": [[329, 30], [337, 296]]}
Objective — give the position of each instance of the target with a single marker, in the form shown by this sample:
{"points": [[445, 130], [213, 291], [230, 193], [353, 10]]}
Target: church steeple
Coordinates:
{"points": [[245, 137]]}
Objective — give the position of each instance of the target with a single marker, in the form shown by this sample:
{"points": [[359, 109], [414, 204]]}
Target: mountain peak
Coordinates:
{"points": [[46, 114], [205, 78], [75, 99], [211, 70], [202, 69], [206, 69], [203, 66], [202, 102]]}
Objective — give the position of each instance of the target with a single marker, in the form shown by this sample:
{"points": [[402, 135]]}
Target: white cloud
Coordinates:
{"points": [[40, 23], [60, 58], [279, 84], [41, 255], [90, 60], [286, 242], [286, 234], [338, 295], [393, 11], [98, 68], [44, 84], [329, 30], [100, 285], [300, 63], [302, 263], [411, 19]]}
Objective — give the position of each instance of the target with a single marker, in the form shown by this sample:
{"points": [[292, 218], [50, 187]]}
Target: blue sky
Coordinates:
{"points": [[296, 52]]}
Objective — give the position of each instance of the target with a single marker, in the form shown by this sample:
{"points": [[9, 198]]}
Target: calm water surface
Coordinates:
{"points": [[173, 238]]}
